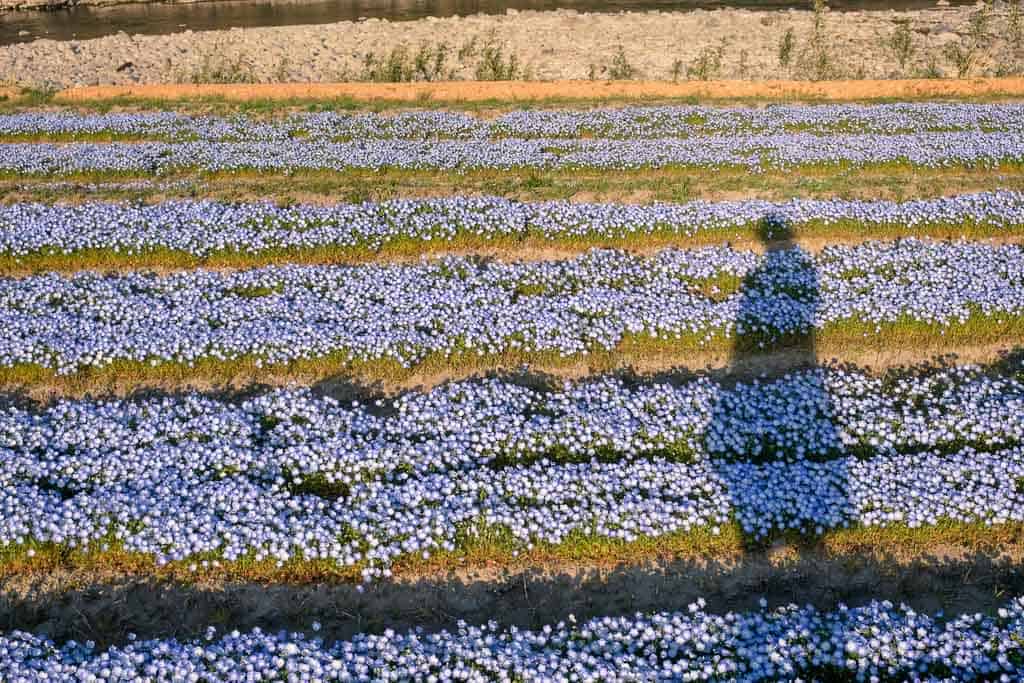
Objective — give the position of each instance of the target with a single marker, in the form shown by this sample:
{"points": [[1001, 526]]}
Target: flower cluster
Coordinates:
{"points": [[288, 476], [755, 152], [456, 306], [205, 227], [878, 641], [625, 122], [686, 121]]}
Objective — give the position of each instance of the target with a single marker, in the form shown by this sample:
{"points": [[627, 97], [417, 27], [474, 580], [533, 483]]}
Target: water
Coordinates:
{"points": [[80, 23]]}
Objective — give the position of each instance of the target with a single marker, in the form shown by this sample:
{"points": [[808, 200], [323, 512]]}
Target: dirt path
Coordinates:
{"points": [[347, 385], [522, 91], [957, 575], [104, 261]]}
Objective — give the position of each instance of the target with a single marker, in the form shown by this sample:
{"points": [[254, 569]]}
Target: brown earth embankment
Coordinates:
{"points": [[735, 44]]}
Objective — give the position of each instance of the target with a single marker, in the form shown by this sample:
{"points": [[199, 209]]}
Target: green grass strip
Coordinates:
{"points": [[479, 546], [837, 341], [530, 244]]}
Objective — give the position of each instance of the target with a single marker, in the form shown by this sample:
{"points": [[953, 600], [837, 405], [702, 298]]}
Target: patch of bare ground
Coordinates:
{"points": [[518, 92], [957, 571], [530, 250], [347, 384], [558, 45], [640, 186]]}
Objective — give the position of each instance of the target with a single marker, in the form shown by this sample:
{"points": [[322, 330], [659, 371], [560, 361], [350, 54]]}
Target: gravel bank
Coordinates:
{"points": [[564, 44]]}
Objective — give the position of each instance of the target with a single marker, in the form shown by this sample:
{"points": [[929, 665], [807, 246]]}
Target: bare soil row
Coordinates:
{"points": [[513, 92], [958, 570]]}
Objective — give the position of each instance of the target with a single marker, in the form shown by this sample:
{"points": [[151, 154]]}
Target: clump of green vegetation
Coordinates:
{"points": [[817, 59], [494, 65], [743, 68], [216, 67], [256, 291], [901, 44], [468, 49], [786, 46], [394, 68], [401, 66], [961, 56], [707, 64], [930, 70], [676, 71], [430, 61], [621, 69]]}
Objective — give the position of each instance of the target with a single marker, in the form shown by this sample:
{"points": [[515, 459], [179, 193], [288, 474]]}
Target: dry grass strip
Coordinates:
{"points": [[483, 91]]}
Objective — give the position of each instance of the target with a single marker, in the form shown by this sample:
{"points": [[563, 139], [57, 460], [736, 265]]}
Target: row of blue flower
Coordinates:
{"points": [[289, 477], [204, 227], [878, 641], [456, 305], [625, 122], [817, 415], [755, 152]]}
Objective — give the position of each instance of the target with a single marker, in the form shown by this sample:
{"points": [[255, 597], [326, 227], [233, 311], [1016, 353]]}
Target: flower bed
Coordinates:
{"points": [[752, 152], [205, 228], [623, 123], [874, 642], [461, 308], [287, 476]]}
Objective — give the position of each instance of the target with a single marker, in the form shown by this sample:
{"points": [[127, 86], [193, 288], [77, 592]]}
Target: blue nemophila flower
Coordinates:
{"points": [[622, 122], [458, 306], [205, 227], [752, 151], [291, 476], [879, 641]]}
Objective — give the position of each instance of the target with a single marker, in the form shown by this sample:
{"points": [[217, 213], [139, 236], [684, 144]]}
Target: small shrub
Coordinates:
{"points": [[961, 56], [400, 66], [901, 44], [395, 68], [216, 67], [823, 69], [743, 68], [493, 65], [620, 69], [281, 70], [931, 69], [677, 70], [786, 46], [819, 60], [707, 64], [429, 62], [468, 49]]}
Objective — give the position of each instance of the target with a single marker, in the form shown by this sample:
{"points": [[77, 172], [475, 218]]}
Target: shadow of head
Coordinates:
{"points": [[775, 232]]}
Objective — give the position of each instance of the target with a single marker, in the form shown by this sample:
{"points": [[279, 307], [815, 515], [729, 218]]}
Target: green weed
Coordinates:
{"points": [[620, 68], [707, 64], [901, 44]]}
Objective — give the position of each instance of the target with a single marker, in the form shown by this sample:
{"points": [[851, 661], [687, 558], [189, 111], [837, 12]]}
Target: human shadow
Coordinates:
{"points": [[776, 446]]}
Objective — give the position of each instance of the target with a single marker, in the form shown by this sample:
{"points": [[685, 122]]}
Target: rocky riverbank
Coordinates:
{"points": [[564, 44]]}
